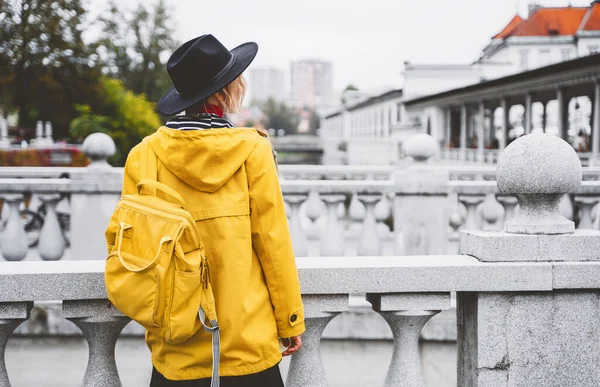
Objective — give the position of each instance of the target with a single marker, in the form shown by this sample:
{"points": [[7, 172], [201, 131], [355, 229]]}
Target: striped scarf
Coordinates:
{"points": [[202, 121]]}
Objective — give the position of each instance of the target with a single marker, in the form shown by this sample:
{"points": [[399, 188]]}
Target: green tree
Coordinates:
{"points": [[45, 67], [125, 116], [280, 116], [134, 48]]}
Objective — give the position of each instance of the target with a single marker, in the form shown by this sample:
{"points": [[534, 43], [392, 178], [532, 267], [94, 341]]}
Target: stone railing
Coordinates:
{"points": [[405, 291], [365, 212]]}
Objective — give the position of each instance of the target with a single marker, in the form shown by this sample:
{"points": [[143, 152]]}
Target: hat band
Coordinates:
{"points": [[217, 77]]}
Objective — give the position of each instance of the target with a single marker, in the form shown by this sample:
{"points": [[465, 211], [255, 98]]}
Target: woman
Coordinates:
{"points": [[228, 177]]}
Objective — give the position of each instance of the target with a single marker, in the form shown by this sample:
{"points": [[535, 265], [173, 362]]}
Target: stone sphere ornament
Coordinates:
{"points": [[99, 147], [421, 147], [539, 169]]}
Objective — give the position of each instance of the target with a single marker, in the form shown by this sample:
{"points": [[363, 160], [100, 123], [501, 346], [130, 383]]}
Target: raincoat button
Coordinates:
{"points": [[293, 318]]}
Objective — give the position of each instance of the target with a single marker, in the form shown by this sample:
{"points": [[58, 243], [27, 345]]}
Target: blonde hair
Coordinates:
{"points": [[231, 97]]}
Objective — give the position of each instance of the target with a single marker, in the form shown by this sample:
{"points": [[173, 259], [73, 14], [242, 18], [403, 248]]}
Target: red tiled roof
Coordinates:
{"points": [[510, 27], [593, 21], [548, 22]]}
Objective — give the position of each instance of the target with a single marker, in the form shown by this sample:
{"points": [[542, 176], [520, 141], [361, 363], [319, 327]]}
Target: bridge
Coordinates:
{"points": [[510, 252]]}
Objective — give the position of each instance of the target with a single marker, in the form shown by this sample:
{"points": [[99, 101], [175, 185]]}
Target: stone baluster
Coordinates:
{"points": [[383, 210], [296, 230], [13, 240], [565, 207], [585, 204], [332, 244], [101, 325], [369, 243], [510, 204], [492, 213], [314, 209], [471, 202], [12, 314], [456, 220], [356, 213], [51, 244], [306, 367], [406, 314]]}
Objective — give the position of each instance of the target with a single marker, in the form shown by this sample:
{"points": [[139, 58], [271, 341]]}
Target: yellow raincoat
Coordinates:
{"points": [[229, 179]]}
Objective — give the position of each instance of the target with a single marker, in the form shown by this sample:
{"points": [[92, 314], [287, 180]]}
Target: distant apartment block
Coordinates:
{"points": [[267, 82], [311, 84]]}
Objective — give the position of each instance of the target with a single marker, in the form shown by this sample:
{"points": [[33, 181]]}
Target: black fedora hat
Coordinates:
{"points": [[200, 68]]}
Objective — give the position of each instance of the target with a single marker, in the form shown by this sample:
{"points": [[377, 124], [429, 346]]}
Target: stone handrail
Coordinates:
{"points": [[406, 291]]}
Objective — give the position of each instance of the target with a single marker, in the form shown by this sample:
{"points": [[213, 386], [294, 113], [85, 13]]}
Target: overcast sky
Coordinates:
{"points": [[367, 41]]}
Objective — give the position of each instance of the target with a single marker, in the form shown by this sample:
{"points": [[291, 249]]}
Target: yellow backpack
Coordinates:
{"points": [[157, 273]]}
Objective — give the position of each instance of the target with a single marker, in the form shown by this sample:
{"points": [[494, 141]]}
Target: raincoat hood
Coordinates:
{"points": [[204, 159]]}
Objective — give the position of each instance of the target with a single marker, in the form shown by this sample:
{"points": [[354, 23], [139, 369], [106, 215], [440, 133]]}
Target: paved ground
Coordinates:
{"points": [[61, 362]]}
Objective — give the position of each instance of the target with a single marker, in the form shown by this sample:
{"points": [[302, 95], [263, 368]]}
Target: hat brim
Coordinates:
{"points": [[172, 102]]}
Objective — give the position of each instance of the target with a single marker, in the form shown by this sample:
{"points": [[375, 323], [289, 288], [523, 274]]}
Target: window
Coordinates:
{"points": [[544, 57], [566, 53], [593, 48], [523, 58]]}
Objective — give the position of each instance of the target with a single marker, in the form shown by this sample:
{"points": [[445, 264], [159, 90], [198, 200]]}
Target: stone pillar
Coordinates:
{"points": [[12, 314], [448, 126], [406, 314], [532, 339], [544, 115], [91, 211], [481, 132], [528, 114], [421, 208], [101, 325], [563, 113], [492, 129], [596, 125], [505, 123], [306, 367], [463, 132]]}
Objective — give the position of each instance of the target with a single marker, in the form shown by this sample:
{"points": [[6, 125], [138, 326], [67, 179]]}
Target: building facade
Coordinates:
{"points": [[267, 83], [547, 37], [311, 82]]}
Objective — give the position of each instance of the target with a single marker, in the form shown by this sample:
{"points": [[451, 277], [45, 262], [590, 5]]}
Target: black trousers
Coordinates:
{"points": [[268, 378]]}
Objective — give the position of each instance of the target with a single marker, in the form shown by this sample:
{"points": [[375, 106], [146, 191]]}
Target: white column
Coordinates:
{"points": [[481, 133], [387, 122], [596, 124], [528, 120], [505, 123], [463, 132], [448, 124], [563, 113]]}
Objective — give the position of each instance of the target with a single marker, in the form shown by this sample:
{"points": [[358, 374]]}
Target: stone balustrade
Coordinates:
{"points": [[360, 210], [406, 291]]}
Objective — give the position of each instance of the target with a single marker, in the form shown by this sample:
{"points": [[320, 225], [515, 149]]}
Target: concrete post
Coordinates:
{"points": [[481, 132], [90, 212], [306, 367], [505, 123], [596, 125], [463, 132], [421, 208], [448, 126], [544, 115], [563, 113], [533, 339], [528, 114]]}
